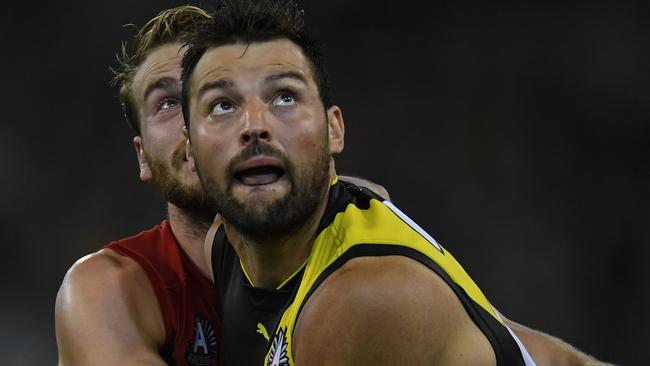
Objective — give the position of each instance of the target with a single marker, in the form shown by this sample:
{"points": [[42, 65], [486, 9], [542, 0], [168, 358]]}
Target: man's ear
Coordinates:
{"points": [[145, 171], [189, 154], [336, 129]]}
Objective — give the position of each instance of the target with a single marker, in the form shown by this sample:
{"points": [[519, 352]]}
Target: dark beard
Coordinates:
{"points": [[285, 215], [192, 199]]}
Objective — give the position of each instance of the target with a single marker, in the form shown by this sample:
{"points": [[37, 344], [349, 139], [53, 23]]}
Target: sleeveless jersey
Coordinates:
{"points": [[185, 295], [356, 223]]}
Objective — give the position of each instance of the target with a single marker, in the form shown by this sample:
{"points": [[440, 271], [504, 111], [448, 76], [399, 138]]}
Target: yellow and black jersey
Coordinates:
{"points": [[258, 324]]}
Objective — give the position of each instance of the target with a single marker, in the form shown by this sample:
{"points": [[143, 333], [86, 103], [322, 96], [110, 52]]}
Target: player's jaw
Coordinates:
{"points": [[264, 194], [178, 183]]}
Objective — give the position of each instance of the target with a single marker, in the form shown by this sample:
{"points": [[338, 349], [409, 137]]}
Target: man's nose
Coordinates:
{"points": [[256, 126]]}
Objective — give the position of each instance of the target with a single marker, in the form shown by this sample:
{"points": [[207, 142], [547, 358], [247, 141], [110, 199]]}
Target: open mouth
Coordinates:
{"points": [[259, 175]]}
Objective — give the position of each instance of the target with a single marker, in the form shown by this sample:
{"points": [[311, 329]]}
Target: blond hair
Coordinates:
{"points": [[171, 25]]}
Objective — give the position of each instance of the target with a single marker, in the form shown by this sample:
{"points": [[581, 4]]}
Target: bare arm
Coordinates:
{"points": [[387, 311], [107, 314], [207, 245], [547, 350]]}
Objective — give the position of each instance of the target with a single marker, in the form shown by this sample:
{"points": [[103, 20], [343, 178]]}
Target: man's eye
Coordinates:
{"points": [[284, 99], [223, 107], [167, 104]]}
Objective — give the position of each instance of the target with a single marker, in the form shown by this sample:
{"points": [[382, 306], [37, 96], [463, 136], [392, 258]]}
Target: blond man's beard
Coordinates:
{"points": [[190, 197]]}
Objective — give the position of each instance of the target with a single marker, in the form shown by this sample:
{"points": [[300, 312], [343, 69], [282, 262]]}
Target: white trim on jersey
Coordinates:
{"points": [[524, 352], [528, 360], [412, 224]]}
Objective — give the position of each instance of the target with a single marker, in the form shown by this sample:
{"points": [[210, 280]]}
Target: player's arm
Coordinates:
{"points": [[107, 314], [380, 190], [387, 311], [207, 245], [547, 350]]}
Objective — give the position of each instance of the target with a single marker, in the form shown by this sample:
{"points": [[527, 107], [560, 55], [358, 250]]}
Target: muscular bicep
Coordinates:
{"points": [[106, 314], [386, 311]]}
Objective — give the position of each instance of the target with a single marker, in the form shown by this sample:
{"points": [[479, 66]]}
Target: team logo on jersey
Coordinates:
{"points": [[261, 329], [202, 351], [278, 354]]}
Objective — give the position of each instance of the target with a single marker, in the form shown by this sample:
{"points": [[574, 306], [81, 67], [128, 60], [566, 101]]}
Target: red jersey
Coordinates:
{"points": [[187, 298]]}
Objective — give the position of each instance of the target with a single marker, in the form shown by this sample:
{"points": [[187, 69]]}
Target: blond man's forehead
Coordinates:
{"points": [[164, 61]]}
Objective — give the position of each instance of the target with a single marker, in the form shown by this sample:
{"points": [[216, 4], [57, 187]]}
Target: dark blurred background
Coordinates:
{"points": [[517, 135]]}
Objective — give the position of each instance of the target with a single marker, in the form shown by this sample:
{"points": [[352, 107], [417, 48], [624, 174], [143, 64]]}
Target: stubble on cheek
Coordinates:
{"points": [[179, 156]]}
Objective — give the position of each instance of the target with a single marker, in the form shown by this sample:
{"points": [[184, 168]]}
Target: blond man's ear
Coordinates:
{"points": [[143, 164]]}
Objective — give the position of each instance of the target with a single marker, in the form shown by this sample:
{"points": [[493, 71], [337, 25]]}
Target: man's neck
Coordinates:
{"points": [[269, 262], [190, 231]]}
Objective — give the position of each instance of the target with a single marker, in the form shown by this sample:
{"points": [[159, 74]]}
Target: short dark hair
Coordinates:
{"points": [[171, 25], [249, 21]]}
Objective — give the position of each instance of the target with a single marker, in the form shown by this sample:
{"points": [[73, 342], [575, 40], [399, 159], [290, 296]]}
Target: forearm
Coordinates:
{"points": [[547, 350]]}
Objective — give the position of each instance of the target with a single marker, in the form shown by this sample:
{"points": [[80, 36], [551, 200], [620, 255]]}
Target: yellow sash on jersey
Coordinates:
{"points": [[377, 225]]}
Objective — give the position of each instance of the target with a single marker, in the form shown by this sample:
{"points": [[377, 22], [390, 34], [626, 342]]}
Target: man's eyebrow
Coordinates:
{"points": [[218, 84], [228, 84], [162, 83], [289, 74]]}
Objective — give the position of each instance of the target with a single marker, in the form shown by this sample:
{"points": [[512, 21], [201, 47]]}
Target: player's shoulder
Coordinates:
{"points": [[105, 265], [369, 298], [100, 276], [104, 289], [376, 188], [391, 278]]}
